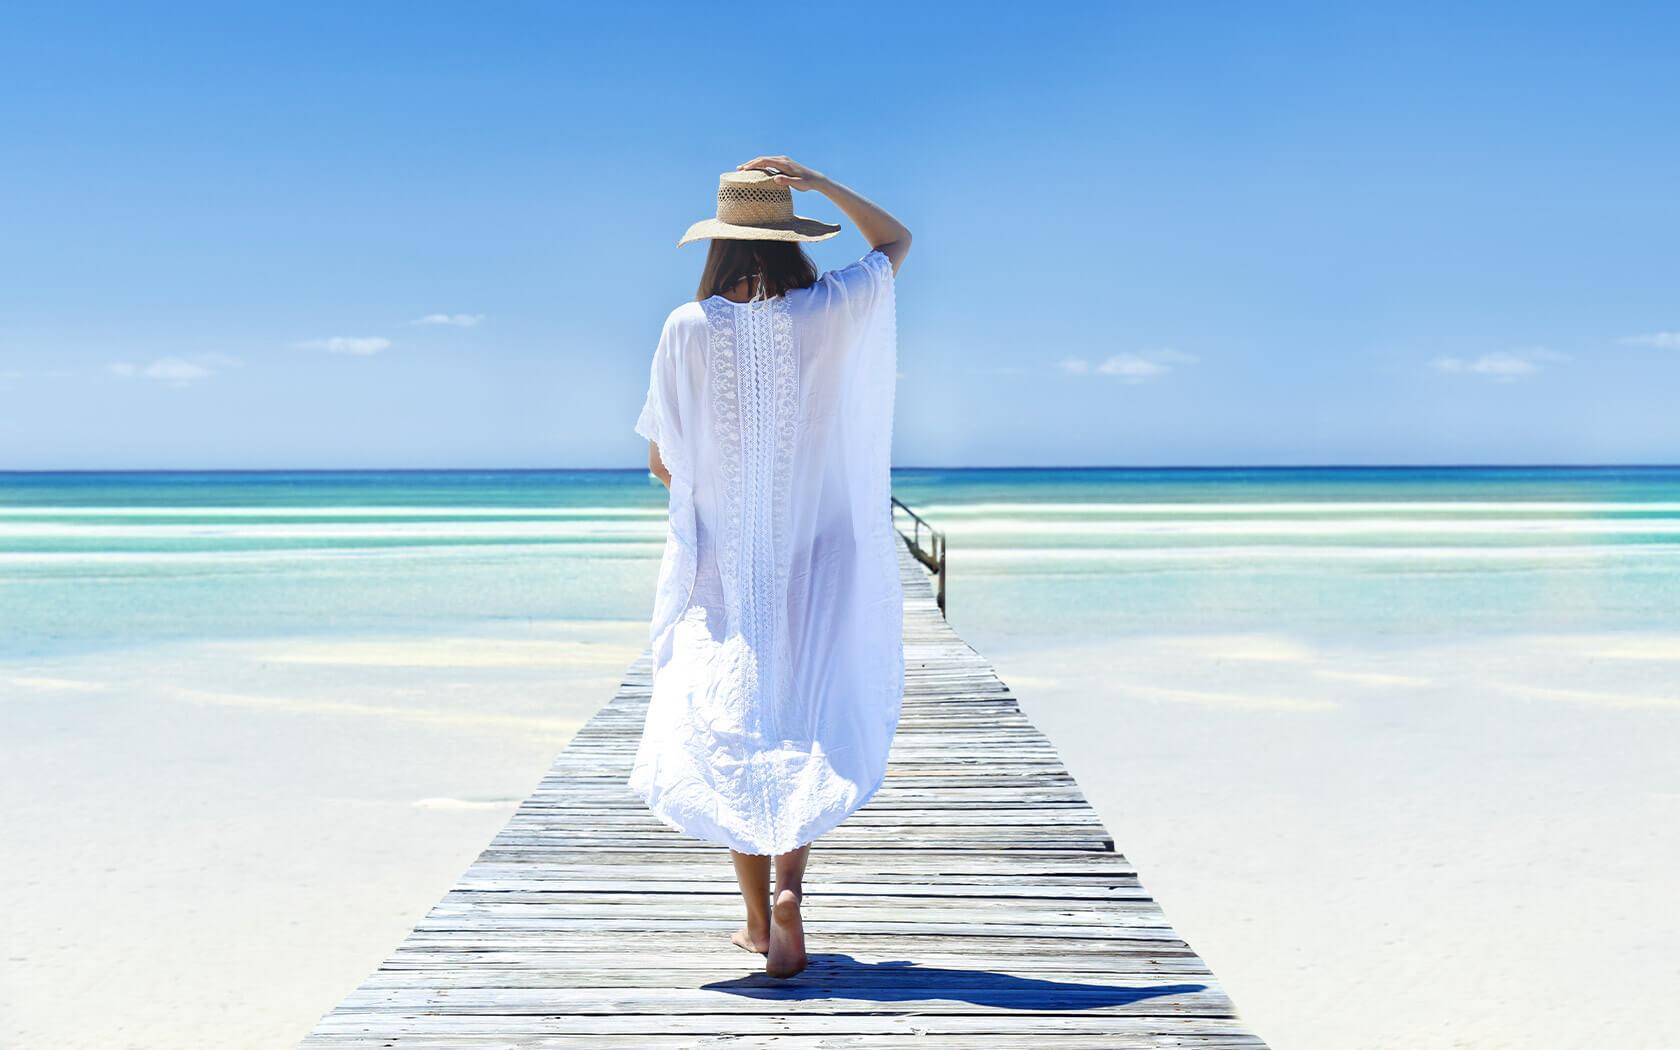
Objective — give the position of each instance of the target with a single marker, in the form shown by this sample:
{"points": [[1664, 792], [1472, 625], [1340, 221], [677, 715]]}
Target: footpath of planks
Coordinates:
{"points": [[976, 901]]}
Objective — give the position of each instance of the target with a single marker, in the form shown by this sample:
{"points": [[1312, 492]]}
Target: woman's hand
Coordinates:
{"points": [[787, 172], [880, 229]]}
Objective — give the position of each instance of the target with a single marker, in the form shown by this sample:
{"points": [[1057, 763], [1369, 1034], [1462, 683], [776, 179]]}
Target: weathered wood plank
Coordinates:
{"points": [[977, 901]]}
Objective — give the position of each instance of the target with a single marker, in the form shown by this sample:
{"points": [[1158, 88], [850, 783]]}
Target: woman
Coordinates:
{"points": [[777, 634]]}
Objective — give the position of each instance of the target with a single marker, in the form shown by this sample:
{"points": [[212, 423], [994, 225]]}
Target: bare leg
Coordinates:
{"points": [[752, 871], [787, 930]]}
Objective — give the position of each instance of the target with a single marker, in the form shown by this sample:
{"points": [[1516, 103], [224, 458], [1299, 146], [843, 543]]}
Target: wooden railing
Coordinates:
{"points": [[931, 554]]}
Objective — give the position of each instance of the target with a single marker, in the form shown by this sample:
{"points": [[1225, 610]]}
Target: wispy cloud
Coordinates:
{"points": [[1660, 340], [348, 344], [174, 370], [452, 320], [1501, 366], [1140, 367]]}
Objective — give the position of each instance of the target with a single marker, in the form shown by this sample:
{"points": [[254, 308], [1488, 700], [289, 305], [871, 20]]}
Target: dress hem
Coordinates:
{"points": [[723, 838], [720, 836]]}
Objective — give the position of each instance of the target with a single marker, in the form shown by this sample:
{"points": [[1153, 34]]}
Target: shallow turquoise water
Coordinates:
{"points": [[93, 560]]}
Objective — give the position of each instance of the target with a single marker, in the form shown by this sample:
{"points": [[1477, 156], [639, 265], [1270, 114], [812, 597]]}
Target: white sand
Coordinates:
{"points": [[1465, 844], [211, 844]]}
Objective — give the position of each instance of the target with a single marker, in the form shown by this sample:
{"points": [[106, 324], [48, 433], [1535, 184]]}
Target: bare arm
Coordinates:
{"points": [[657, 465], [877, 225]]}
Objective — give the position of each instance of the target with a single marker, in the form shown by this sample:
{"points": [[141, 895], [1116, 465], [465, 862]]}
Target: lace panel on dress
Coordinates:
{"points": [[754, 377]]}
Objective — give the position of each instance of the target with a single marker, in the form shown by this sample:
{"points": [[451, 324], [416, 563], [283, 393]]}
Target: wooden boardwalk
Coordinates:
{"points": [[976, 901]]}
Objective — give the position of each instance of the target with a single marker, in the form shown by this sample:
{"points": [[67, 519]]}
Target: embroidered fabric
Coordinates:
{"points": [[755, 398]]}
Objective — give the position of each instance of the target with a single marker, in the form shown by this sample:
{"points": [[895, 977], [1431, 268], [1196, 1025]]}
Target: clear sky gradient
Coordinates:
{"points": [[406, 235]]}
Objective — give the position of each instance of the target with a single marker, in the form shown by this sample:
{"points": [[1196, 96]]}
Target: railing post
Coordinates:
{"points": [[931, 557], [941, 594]]}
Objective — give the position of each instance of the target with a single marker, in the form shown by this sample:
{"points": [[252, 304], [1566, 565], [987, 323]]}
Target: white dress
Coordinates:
{"points": [[777, 633]]}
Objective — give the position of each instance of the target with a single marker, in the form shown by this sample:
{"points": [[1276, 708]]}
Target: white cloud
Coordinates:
{"points": [[1660, 340], [452, 320], [1501, 366], [174, 370], [348, 344], [1133, 368], [1128, 367], [1145, 365]]}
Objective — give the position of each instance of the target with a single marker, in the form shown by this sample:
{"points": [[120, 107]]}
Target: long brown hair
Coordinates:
{"points": [[780, 266]]}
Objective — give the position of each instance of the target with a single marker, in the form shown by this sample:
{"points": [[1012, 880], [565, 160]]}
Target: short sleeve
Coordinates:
{"points": [[647, 424], [862, 288], [661, 419], [656, 407]]}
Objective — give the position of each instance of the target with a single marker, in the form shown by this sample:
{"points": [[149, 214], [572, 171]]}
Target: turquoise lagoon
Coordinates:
{"points": [[92, 560]]}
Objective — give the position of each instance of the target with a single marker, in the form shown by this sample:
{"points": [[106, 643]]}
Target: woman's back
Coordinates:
{"points": [[777, 632]]}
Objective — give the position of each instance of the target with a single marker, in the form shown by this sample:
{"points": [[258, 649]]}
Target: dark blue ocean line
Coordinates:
{"points": [[574, 487], [1274, 468]]}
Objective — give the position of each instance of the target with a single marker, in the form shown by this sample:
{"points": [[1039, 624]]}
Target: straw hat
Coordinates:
{"points": [[752, 207]]}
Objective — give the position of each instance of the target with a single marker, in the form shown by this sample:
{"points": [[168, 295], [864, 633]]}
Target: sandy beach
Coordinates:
{"points": [[224, 838], [1365, 857], [1462, 844]]}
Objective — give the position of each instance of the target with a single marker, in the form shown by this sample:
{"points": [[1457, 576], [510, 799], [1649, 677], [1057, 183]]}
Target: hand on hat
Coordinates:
{"points": [[786, 171]]}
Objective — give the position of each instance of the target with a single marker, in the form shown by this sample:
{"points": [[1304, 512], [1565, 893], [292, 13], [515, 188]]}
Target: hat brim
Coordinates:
{"points": [[798, 228]]}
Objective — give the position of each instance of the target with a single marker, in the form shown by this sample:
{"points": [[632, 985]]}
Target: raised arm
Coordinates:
{"points": [[877, 225]]}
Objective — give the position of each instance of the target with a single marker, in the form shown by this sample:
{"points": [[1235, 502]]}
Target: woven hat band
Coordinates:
{"points": [[754, 204], [751, 207]]}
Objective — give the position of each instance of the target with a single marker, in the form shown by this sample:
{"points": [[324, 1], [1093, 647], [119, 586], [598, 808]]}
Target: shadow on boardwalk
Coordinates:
{"points": [[835, 976]]}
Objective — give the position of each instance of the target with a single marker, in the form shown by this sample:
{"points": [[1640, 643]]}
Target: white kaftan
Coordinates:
{"points": [[777, 633]]}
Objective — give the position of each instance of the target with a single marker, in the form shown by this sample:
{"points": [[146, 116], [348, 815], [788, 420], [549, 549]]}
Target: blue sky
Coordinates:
{"points": [[1172, 234]]}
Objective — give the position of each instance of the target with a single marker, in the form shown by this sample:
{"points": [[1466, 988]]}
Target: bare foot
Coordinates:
{"points": [[752, 940], [787, 937]]}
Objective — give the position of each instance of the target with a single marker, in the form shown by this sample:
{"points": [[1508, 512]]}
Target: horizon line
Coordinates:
{"points": [[22, 471]]}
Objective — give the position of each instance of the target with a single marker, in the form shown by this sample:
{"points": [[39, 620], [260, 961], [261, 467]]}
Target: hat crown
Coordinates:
{"points": [[752, 198]]}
